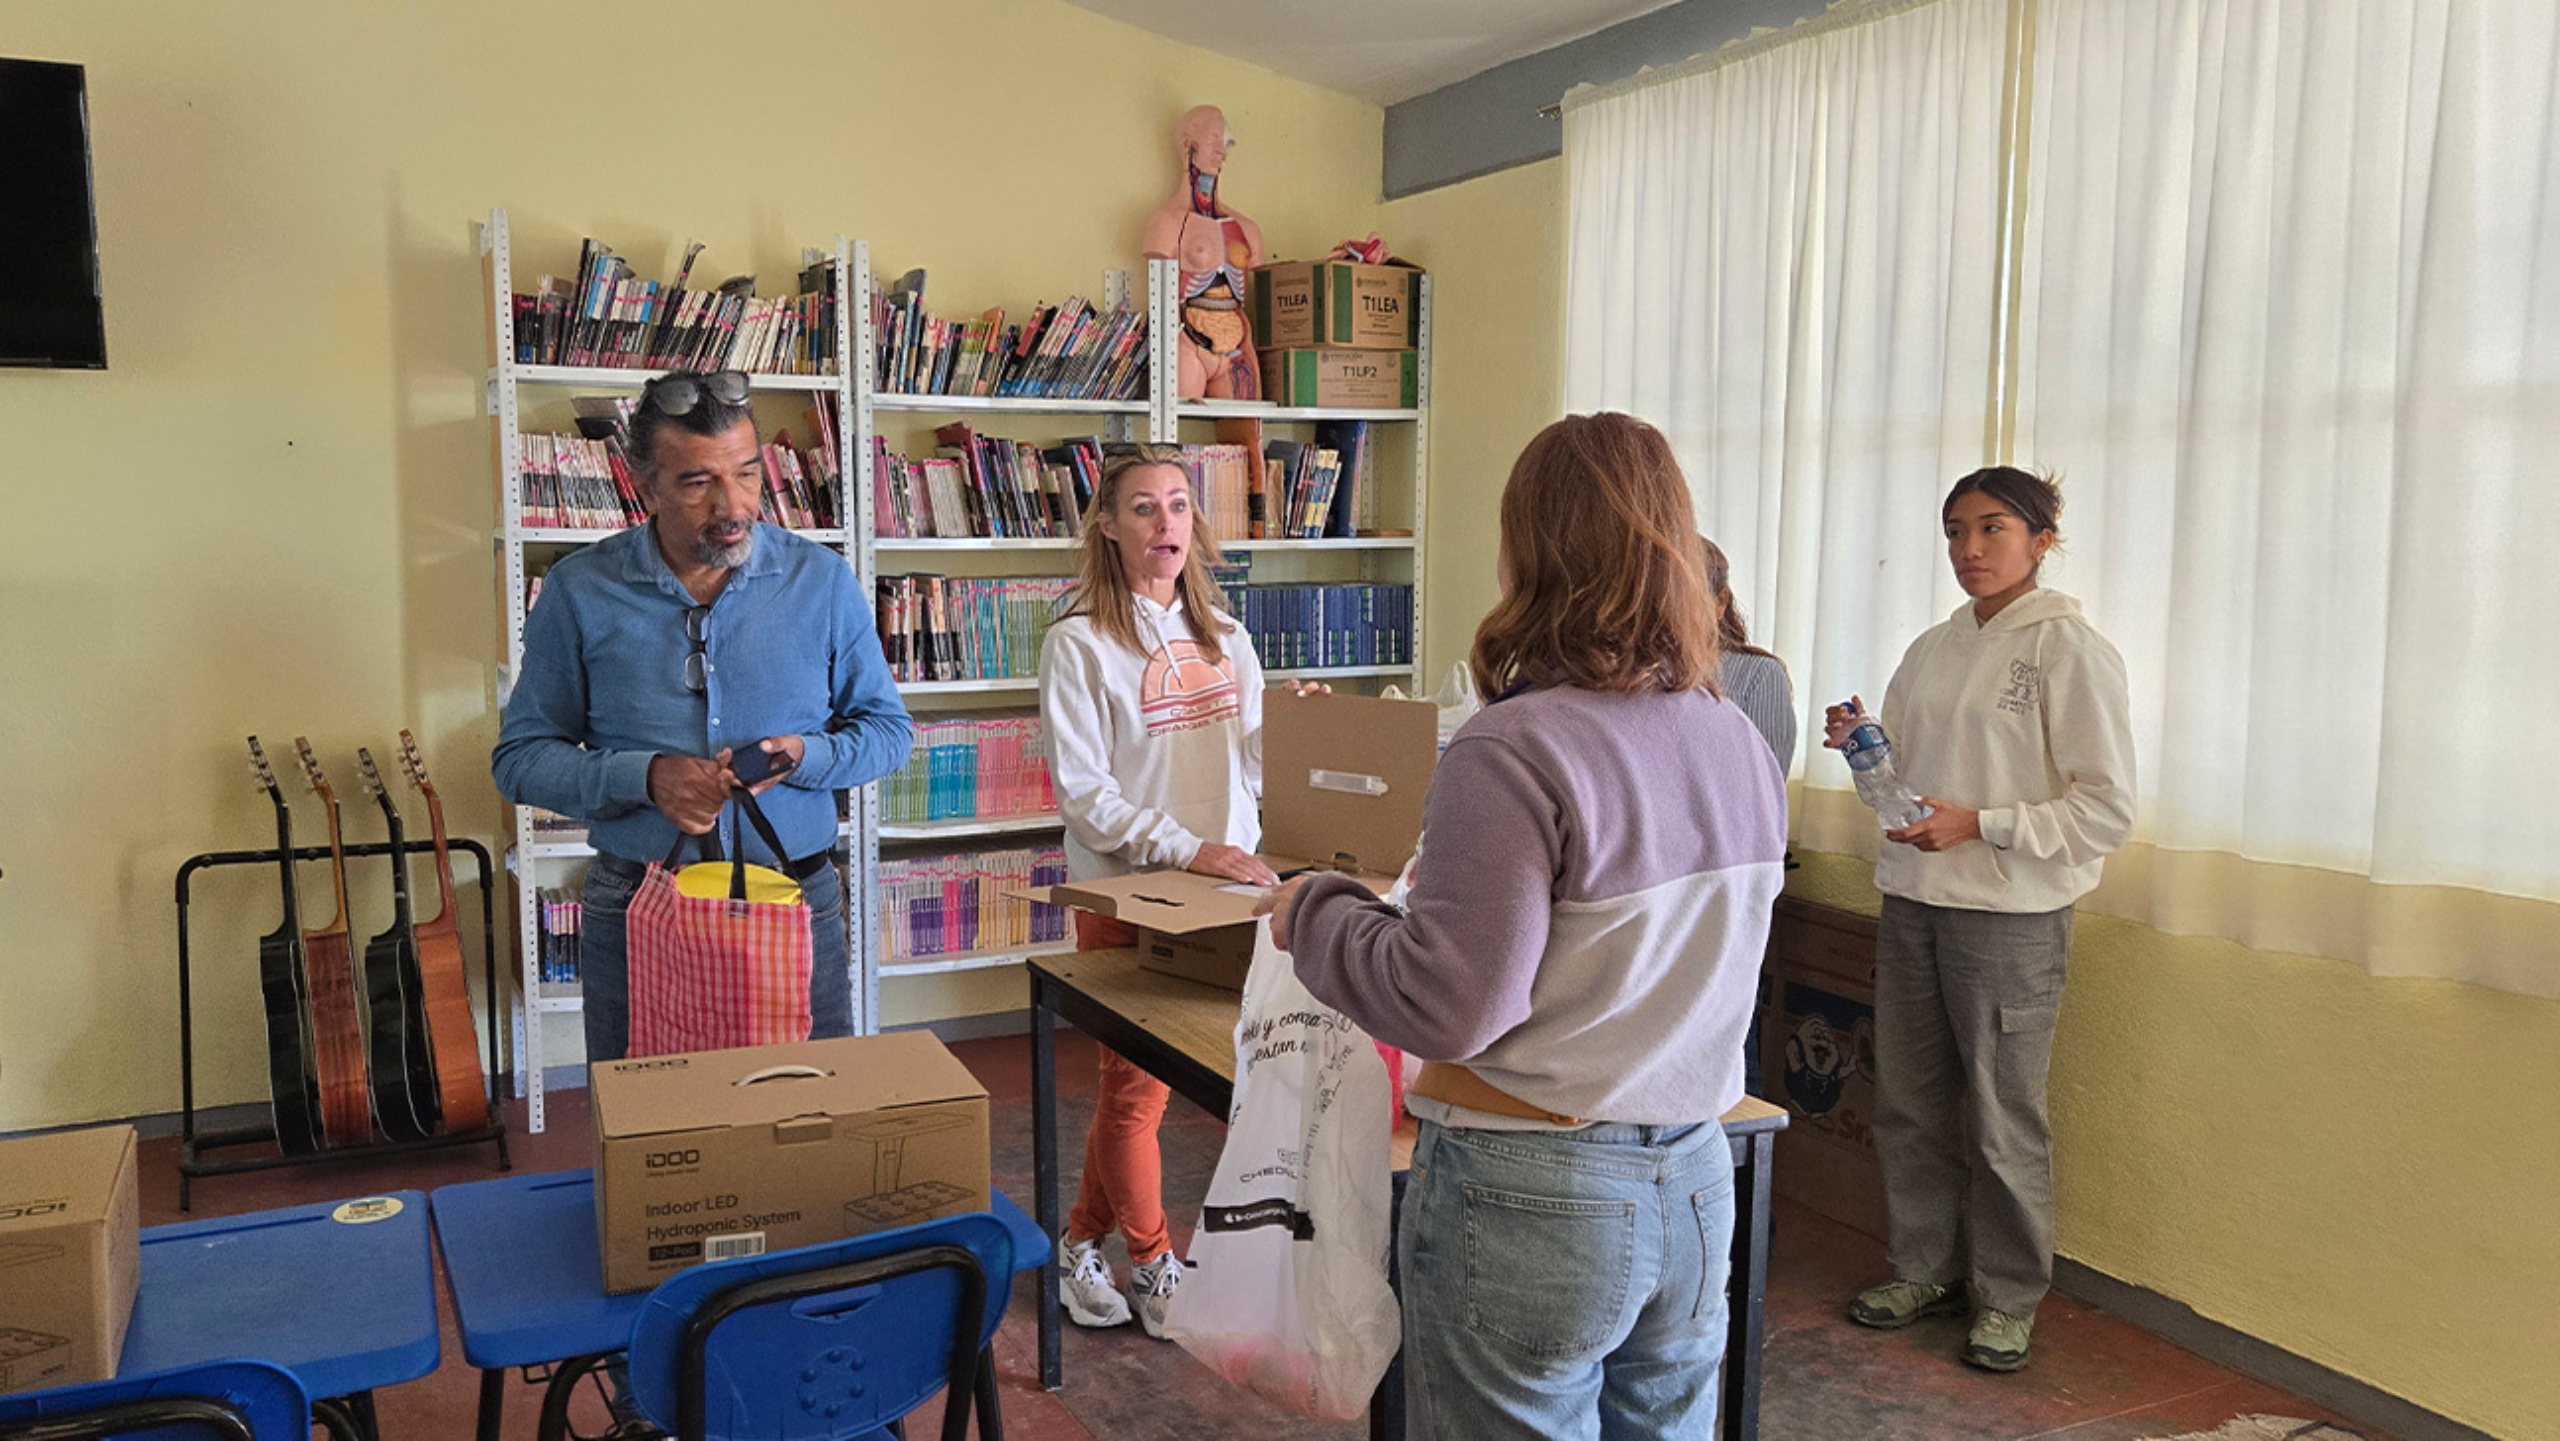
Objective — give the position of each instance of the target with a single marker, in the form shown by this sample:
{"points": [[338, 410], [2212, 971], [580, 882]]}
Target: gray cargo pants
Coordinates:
{"points": [[1965, 1005]]}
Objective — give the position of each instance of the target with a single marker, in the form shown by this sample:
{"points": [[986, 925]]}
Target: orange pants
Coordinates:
{"points": [[1123, 1183]]}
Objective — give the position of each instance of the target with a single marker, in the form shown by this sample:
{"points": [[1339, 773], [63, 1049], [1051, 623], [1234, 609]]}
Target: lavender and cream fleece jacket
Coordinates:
{"points": [[1589, 911]]}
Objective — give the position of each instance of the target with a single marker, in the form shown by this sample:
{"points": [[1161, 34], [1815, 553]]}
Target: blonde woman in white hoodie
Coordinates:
{"points": [[1151, 700], [2011, 719]]}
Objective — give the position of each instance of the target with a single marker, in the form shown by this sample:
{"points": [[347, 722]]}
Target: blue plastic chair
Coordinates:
{"points": [[831, 1341], [221, 1401]]}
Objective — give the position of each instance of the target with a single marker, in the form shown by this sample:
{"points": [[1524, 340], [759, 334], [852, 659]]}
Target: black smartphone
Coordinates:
{"points": [[754, 764]]}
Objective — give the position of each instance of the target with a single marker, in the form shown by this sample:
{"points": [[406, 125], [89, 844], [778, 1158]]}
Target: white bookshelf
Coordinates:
{"points": [[1160, 417], [536, 858], [962, 830]]}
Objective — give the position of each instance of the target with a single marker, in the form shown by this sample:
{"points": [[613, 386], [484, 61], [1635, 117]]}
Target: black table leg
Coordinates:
{"points": [[1044, 1176], [334, 1416], [493, 1403], [1747, 1289], [990, 1409], [1386, 1404]]}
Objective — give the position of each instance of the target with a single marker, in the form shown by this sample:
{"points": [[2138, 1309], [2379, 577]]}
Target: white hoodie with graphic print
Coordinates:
{"points": [[2026, 720], [1152, 756]]}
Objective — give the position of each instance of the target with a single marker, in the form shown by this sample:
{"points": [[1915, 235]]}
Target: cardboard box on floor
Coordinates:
{"points": [[70, 1255], [715, 1154], [1343, 780], [1818, 1056]]}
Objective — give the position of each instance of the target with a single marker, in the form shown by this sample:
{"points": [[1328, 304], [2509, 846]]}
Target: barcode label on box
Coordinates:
{"points": [[730, 1247]]}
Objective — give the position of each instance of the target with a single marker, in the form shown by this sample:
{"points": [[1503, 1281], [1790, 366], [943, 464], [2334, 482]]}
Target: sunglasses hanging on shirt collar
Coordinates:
{"points": [[680, 393]]}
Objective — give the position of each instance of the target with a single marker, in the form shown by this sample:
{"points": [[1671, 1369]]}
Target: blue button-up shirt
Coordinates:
{"points": [[789, 650]]}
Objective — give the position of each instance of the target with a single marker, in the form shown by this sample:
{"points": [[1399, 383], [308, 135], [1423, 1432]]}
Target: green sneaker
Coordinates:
{"points": [[1999, 1341], [1897, 1304]]}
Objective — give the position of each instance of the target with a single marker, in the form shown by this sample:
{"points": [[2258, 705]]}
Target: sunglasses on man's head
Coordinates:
{"points": [[680, 393]]}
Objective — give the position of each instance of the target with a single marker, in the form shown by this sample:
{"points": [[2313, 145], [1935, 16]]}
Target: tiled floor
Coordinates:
{"points": [[2094, 1378]]}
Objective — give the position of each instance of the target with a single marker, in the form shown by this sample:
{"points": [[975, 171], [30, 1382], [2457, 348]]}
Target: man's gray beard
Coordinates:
{"points": [[724, 557]]}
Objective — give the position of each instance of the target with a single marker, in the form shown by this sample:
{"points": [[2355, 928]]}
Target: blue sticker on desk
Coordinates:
{"points": [[366, 1211]]}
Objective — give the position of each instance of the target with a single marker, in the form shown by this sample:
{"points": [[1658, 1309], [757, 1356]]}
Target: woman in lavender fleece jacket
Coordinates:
{"points": [[1601, 848]]}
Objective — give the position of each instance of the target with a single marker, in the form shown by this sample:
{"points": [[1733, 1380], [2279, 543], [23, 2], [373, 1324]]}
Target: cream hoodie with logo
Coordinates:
{"points": [[1151, 755], [2026, 720]]}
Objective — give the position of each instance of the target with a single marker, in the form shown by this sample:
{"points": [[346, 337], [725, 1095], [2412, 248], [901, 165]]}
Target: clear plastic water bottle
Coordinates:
{"points": [[1870, 758]]}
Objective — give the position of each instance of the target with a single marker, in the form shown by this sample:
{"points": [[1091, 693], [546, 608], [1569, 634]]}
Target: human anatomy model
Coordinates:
{"points": [[1214, 247]]}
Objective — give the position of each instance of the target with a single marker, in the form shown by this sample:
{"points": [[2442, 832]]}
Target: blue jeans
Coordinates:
{"points": [[1566, 1284], [604, 979]]}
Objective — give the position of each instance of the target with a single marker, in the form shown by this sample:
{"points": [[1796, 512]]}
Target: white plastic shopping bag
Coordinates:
{"points": [[1289, 1296], [1456, 698]]}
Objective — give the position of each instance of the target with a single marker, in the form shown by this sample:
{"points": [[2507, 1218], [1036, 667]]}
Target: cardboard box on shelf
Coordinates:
{"points": [[1336, 303], [715, 1154], [1341, 379], [1343, 780], [70, 1255]]}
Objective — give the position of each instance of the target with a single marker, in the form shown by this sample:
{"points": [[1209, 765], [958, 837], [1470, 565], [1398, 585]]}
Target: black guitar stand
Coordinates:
{"points": [[194, 1146]]}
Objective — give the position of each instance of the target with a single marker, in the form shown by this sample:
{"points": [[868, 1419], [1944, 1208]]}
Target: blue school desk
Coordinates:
{"points": [[341, 1294], [528, 1288]]}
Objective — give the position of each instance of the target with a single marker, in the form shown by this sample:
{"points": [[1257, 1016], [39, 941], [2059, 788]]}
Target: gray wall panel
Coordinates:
{"points": [[1490, 122]]}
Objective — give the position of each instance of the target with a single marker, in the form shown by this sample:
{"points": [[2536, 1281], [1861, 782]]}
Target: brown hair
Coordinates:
{"points": [[1102, 581], [1604, 586], [1732, 631], [2032, 498]]}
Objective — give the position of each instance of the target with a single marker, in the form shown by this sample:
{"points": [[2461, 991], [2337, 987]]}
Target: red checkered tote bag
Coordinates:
{"points": [[719, 951]]}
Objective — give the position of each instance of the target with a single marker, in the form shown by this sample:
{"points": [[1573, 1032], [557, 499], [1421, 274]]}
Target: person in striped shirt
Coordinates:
{"points": [[1754, 679]]}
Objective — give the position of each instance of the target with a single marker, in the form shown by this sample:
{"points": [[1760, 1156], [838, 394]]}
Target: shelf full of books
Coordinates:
{"points": [[979, 439], [569, 351]]}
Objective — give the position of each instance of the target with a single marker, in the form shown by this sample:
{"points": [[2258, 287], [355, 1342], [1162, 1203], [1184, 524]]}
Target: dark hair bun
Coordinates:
{"points": [[2032, 498]]}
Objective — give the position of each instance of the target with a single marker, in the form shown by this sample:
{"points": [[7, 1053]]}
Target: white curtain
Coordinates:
{"points": [[1786, 258], [2290, 312], [2288, 326]]}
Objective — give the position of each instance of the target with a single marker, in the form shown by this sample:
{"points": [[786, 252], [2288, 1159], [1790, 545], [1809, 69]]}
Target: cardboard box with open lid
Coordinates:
{"points": [[1343, 780], [714, 1154]]}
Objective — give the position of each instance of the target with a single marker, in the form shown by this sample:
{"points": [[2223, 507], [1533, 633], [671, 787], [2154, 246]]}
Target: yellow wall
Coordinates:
{"points": [[1496, 251], [2361, 1171], [272, 514], [2358, 1170]]}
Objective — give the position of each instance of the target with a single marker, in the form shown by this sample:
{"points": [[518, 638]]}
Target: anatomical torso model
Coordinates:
{"points": [[1214, 247]]}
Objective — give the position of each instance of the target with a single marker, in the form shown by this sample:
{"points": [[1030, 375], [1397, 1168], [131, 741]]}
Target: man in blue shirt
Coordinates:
{"points": [[657, 654]]}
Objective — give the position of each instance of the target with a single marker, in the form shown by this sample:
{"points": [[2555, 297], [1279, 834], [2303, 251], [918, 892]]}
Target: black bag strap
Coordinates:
{"points": [[745, 806]]}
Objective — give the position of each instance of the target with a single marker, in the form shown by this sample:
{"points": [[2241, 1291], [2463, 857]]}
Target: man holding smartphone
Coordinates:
{"points": [[669, 663]]}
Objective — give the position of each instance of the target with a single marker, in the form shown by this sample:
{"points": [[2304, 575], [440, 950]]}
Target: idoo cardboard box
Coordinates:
{"points": [[1343, 779], [1337, 303], [1345, 379], [70, 1253], [714, 1154]]}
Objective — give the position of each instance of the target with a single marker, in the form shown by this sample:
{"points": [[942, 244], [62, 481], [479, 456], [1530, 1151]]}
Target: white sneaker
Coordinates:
{"points": [[1152, 1286], [1086, 1288]]}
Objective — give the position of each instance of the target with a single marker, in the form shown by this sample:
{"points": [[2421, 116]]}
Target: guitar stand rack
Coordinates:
{"points": [[194, 1146]]}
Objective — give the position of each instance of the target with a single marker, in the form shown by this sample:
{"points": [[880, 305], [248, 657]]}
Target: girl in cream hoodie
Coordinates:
{"points": [[2010, 717], [1151, 700]]}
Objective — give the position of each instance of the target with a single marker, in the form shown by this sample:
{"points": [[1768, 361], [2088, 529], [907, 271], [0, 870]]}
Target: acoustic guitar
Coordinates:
{"points": [[328, 960], [461, 1090], [291, 1085], [402, 1062]]}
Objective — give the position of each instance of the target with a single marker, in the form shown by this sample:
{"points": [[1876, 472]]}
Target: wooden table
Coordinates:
{"points": [[1183, 1034]]}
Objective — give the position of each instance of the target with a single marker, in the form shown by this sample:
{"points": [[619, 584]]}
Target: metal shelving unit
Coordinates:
{"points": [[529, 855], [1162, 415]]}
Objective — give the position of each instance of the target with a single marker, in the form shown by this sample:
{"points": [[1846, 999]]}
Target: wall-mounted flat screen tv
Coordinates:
{"points": [[50, 310]]}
